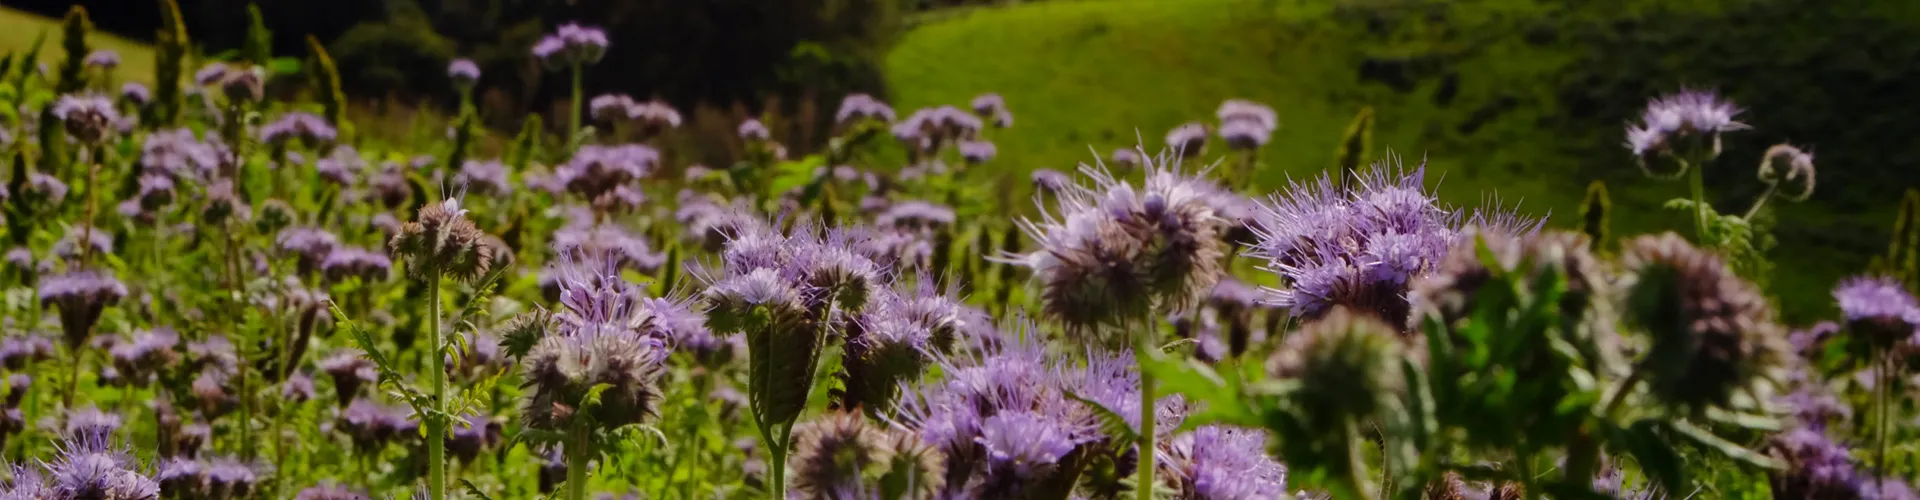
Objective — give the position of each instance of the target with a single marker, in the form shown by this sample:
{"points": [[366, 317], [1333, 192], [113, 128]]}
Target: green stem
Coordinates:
{"points": [[1882, 391], [73, 382], [1620, 395], [573, 109], [86, 232], [777, 453], [1143, 351], [436, 423], [578, 453], [1357, 480], [1764, 196], [1698, 185]]}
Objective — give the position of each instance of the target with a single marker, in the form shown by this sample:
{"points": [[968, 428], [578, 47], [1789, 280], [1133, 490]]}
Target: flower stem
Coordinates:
{"points": [[1883, 393], [73, 382], [777, 455], [86, 231], [436, 422], [1757, 204], [578, 453], [1144, 471], [573, 108], [1698, 185]]}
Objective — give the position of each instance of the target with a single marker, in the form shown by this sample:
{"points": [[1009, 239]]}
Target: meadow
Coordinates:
{"points": [[1217, 249]]}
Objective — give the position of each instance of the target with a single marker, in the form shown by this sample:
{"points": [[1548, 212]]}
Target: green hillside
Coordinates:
{"points": [[19, 29], [1476, 88]]}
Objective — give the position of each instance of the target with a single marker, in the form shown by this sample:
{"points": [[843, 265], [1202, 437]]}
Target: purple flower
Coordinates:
{"points": [[1244, 134], [136, 93], [308, 128], [484, 177], [17, 350], [976, 151], [1241, 110], [89, 118], [103, 59], [1879, 309], [609, 108], [1022, 446], [142, 357], [89, 421], [572, 44], [595, 342], [628, 250], [180, 155], [349, 371], [1051, 181], [1188, 140], [862, 107], [98, 241], [915, 215], [471, 435], [1112, 251], [1358, 248], [370, 425], [88, 467], [210, 74], [329, 492], [463, 72], [753, 131], [988, 104], [596, 171], [298, 387], [230, 478], [310, 244], [655, 118], [80, 296], [1688, 114], [341, 166], [181, 477], [1222, 463]]}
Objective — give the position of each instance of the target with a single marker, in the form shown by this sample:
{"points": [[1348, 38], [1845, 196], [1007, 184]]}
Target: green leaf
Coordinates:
{"points": [[1110, 422], [1723, 447], [473, 489], [1656, 457], [592, 398], [793, 174], [284, 66]]}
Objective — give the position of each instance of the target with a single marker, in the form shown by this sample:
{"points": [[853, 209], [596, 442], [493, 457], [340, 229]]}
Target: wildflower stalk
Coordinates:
{"points": [[1882, 393], [1762, 202], [1697, 184], [1143, 351], [573, 108], [578, 452], [436, 418]]}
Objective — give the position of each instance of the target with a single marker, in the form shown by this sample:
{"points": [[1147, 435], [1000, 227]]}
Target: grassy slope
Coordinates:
{"points": [[18, 30], [1093, 72]]}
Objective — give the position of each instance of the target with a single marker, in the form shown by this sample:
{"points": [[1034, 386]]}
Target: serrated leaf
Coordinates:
{"points": [[1110, 422], [473, 489]]}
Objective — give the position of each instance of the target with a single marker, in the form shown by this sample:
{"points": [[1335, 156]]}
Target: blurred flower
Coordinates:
{"points": [[1222, 463], [80, 296], [210, 74], [976, 151], [484, 177], [596, 171], [103, 59], [298, 388], [89, 421], [1188, 140], [143, 357], [244, 84], [349, 371], [136, 93], [862, 107], [341, 167], [1713, 333], [654, 117], [1051, 181], [915, 215], [88, 468], [629, 250], [572, 44], [308, 128], [1798, 173], [326, 491], [753, 131], [98, 241], [610, 108], [471, 435], [464, 73], [89, 118], [310, 245], [988, 104]]}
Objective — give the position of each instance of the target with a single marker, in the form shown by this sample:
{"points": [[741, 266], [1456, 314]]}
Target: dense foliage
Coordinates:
{"points": [[215, 293]]}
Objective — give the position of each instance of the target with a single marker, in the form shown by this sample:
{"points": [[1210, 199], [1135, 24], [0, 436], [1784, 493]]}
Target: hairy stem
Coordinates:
{"points": [[1144, 471], [436, 423], [1698, 186], [1882, 394], [86, 231], [578, 453], [1762, 202]]}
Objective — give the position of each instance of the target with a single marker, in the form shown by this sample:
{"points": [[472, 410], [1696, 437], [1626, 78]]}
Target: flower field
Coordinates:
{"points": [[220, 288]]}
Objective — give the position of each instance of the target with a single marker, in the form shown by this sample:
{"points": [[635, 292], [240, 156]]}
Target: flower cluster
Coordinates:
{"points": [[856, 107], [1693, 116], [571, 45], [605, 175], [595, 340], [1245, 124], [1113, 253], [308, 128]]}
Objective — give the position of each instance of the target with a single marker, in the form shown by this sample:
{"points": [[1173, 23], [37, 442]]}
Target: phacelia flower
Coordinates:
{"points": [[654, 118], [88, 467], [329, 492], [484, 177], [862, 107], [987, 104], [1188, 140], [1698, 117], [142, 357], [209, 75], [346, 263], [610, 108], [595, 171], [80, 239], [442, 239], [470, 436], [103, 59], [310, 245], [1797, 176], [308, 128], [595, 343], [463, 72], [1713, 332], [349, 371], [754, 131], [1112, 252], [80, 296], [136, 93], [976, 151], [1878, 310], [841, 453], [1222, 463], [915, 215], [572, 44], [89, 118], [244, 84], [629, 250], [1050, 181]]}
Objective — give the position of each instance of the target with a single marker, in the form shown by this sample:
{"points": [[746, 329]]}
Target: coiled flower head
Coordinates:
{"points": [[1112, 252], [1712, 332], [464, 73], [443, 239]]}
